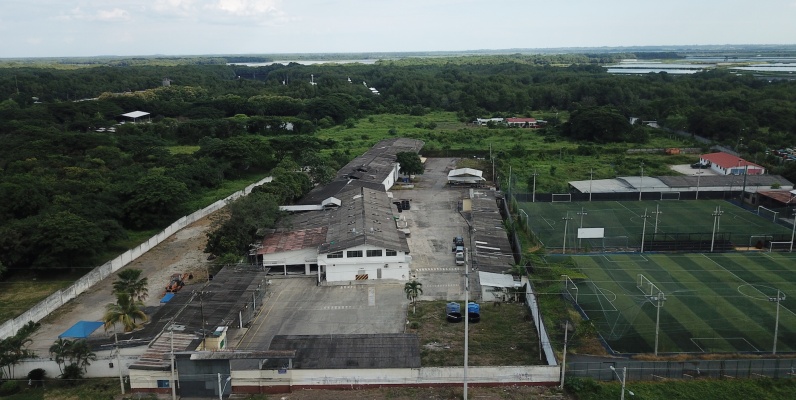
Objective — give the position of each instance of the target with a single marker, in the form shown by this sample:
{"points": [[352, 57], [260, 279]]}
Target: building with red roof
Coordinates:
{"points": [[522, 122], [728, 164]]}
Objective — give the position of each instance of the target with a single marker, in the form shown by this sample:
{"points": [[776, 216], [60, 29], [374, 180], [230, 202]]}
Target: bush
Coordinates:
{"points": [[8, 388]]}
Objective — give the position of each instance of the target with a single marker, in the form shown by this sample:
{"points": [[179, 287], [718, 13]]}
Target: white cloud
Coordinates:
{"points": [[246, 8], [114, 15]]}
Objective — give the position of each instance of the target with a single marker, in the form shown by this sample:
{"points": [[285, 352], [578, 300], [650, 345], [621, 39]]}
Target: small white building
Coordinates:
{"points": [[465, 176], [495, 286], [728, 164]]}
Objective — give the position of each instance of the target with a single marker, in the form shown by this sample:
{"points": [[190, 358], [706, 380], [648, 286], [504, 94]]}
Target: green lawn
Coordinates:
{"points": [[714, 303]]}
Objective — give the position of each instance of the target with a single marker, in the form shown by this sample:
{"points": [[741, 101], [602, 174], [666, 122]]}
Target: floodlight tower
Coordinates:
{"points": [[716, 216], [644, 229], [780, 297], [566, 224]]}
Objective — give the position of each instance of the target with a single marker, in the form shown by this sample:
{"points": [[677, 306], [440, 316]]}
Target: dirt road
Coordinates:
{"points": [[181, 253]]}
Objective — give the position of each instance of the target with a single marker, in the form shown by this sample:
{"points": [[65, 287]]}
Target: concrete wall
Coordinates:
{"points": [[59, 298], [271, 381], [147, 381], [97, 369]]}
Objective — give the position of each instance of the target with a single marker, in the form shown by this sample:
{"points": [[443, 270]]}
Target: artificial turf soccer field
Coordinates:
{"points": [[714, 302], [623, 222]]}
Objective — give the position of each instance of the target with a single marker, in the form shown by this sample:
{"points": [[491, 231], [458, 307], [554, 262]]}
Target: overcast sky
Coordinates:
{"points": [[49, 28]]}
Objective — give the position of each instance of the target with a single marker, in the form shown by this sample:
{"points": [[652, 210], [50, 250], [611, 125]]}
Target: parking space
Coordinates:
{"points": [[434, 221], [296, 306]]}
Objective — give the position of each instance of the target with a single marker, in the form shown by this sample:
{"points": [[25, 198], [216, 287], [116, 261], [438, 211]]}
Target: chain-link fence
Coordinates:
{"points": [[692, 369]]}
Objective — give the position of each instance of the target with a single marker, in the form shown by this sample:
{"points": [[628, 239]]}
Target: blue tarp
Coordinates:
{"points": [[167, 297], [81, 330]]}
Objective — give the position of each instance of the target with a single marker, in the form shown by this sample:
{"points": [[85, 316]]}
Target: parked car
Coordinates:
{"points": [[459, 258], [458, 241], [699, 165]]}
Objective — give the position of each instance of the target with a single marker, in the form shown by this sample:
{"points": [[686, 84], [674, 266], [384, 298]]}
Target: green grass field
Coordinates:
{"points": [[623, 222], [714, 303]]}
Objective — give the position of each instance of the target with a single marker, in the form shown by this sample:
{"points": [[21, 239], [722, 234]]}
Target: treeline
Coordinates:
{"points": [[69, 193]]}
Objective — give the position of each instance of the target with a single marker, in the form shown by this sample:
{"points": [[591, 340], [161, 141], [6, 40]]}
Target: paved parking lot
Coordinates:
{"points": [[296, 306]]}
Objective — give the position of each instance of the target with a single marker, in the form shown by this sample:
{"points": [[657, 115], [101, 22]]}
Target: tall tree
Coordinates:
{"points": [[413, 289], [125, 311], [410, 163], [131, 283]]}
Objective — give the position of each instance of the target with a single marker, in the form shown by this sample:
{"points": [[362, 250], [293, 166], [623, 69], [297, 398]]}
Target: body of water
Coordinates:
{"points": [[305, 62], [790, 68]]}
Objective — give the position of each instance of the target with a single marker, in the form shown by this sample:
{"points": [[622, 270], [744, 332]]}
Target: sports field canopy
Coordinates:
{"points": [[81, 330], [465, 175]]}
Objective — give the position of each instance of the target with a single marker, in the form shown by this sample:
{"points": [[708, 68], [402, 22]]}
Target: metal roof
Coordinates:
{"points": [[158, 356], [135, 114], [465, 172], [392, 350], [364, 218], [293, 240], [497, 280], [492, 251]]}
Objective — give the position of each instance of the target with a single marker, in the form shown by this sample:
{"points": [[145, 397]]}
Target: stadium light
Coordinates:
{"points": [[591, 178], [716, 215], [581, 213], [780, 297], [566, 223], [644, 229], [533, 195], [642, 181], [698, 174], [622, 379]]}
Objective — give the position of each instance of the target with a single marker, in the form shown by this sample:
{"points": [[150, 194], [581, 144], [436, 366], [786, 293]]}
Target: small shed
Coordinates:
{"points": [[493, 286], [465, 176], [135, 116]]}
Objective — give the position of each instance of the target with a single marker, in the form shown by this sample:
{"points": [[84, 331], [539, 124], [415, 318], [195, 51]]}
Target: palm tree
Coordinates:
{"points": [[130, 284], [80, 354], [125, 311], [413, 289], [60, 352]]}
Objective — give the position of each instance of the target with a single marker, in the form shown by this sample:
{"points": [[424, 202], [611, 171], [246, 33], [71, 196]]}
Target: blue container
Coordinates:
{"points": [[453, 308], [473, 308]]}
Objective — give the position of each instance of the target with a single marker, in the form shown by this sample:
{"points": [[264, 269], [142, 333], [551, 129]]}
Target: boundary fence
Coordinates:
{"points": [[690, 369], [629, 196], [60, 297]]}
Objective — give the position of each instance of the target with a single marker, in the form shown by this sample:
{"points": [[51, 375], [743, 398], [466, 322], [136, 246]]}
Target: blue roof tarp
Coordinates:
{"points": [[81, 330], [167, 297]]}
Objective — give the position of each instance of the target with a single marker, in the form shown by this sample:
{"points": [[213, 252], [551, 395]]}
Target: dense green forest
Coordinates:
{"points": [[71, 191]]}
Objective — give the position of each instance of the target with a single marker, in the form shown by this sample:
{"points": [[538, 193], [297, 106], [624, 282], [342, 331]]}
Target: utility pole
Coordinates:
{"points": [[659, 299], [533, 196], [173, 382], [564, 357], [118, 360]]}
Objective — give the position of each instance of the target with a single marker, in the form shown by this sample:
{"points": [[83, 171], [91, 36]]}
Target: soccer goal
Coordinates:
{"points": [[767, 212], [754, 240], [562, 198], [670, 195], [649, 289]]}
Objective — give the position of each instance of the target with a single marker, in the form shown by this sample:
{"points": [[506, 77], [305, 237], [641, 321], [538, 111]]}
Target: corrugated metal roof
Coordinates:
{"points": [[497, 280], [293, 240], [364, 218]]}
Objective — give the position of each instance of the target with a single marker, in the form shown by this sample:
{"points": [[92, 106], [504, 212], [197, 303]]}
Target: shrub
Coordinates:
{"points": [[8, 388]]}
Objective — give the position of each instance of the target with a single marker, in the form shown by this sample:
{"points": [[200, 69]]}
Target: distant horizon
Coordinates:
{"points": [[750, 47], [89, 28]]}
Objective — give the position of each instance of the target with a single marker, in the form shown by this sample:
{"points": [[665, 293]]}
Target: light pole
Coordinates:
{"points": [[533, 195], [644, 229], [564, 357], [698, 174], [659, 299], [622, 379], [222, 388], [793, 230], [581, 213], [642, 181], [716, 216], [591, 178], [780, 297], [657, 212], [566, 224]]}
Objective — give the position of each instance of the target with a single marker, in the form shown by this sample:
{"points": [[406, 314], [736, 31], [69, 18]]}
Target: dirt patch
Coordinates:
{"points": [[504, 336], [183, 252]]}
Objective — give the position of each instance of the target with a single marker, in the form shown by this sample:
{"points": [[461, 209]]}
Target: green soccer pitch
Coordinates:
{"points": [[714, 303], [623, 223]]}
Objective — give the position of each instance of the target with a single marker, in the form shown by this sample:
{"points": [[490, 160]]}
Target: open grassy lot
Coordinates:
{"points": [[20, 293], [623, 222], [714, 303], [505, 336], [93, 389]]}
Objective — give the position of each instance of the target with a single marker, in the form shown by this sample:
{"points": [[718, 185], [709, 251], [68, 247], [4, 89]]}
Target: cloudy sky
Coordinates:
{"points": [[50, 28]]}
